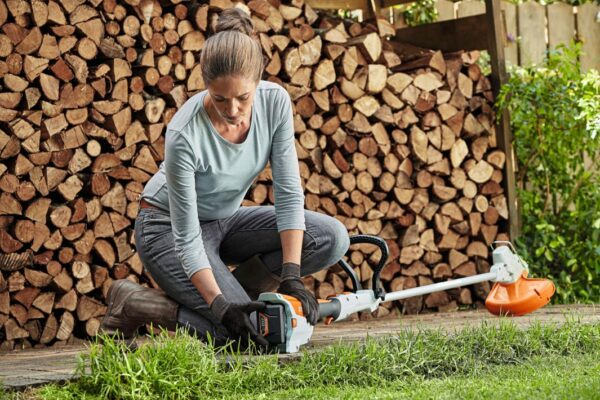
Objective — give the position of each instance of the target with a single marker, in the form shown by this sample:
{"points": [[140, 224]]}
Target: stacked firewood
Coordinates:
{"points": [[402, 150], [405, 151]]}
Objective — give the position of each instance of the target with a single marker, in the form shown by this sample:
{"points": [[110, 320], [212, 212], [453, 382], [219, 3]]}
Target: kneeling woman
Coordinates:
{"points": [[191, 225]]}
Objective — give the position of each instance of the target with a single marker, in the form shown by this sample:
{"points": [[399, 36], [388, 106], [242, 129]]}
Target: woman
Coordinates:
{"points": [[190, 224]]}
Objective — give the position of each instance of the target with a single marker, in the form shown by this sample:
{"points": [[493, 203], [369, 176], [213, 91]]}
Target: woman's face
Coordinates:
{"points": [[232, 97]]}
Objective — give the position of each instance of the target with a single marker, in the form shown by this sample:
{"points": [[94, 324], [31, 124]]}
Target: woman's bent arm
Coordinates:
{"points": [[204, 281], [291, 245]]}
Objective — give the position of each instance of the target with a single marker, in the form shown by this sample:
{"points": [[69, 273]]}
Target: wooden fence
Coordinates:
{"points": [[531, 28]]}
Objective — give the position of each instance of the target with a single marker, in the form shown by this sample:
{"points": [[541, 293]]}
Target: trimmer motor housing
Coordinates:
{"points": [[282, 322]]}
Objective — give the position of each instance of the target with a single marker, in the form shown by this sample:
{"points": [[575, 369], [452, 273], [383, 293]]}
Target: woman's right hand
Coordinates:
{"points": [[235, 317]]}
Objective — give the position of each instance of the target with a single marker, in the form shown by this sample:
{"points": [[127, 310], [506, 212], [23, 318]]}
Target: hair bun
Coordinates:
{"points": [[235, 19]]}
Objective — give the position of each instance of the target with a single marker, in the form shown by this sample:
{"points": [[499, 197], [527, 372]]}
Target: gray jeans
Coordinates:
{"points": [[231, 241]]}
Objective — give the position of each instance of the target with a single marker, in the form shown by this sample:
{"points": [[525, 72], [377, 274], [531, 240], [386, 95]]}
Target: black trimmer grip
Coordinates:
{"points": [[330, 308]]}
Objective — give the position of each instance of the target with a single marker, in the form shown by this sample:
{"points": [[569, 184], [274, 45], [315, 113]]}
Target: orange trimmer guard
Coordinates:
{"points": [[519, 298]]}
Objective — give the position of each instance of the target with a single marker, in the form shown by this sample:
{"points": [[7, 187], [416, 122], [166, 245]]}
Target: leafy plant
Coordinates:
{"points": [[555, 112], [420, 12], [348, 14], [424, 11]]}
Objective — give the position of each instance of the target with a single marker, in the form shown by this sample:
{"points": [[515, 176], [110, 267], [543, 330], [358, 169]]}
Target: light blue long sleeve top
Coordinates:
{"points": [[205, 177]]}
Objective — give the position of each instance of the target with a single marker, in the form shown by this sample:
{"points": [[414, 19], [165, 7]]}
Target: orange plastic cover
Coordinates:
{"points": [[522, 297], [296, 305]]}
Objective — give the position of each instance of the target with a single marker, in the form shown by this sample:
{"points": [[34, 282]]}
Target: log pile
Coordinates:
{"points": [[403, 150], [406, 152]]}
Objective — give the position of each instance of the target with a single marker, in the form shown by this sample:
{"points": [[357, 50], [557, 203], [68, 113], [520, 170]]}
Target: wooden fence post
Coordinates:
{"points": [[511, 50], [588, 30], [445, 9], [561, 24], [503, 133], [468, 8], [532, 25]]}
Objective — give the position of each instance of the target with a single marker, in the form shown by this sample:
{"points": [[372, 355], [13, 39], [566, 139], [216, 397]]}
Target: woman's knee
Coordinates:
{"points": [[335, 239], [341, 241]]}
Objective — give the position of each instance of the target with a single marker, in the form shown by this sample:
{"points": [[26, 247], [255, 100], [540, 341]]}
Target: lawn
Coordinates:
{"points": [[554, 377], [546, 361]]}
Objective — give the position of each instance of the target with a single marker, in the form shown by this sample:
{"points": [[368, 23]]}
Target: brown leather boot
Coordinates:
{"points": [[255, 277], [131, 305]]}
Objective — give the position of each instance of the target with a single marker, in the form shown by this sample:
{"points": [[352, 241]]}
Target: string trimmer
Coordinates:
{"points": [[513, 293]]}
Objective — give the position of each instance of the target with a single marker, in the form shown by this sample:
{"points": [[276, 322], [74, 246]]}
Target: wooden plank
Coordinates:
{"points": [[561, 24], [340, 4], [373, 9], [398, 18], [468, 8], [468, 33], [588, 31], [511, 50], [391, 3], [445, 9], [377, 9], [503, 133], [532, 30]]}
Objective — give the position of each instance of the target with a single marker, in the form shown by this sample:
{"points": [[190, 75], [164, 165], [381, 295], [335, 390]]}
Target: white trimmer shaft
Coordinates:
{"points": [[507, 268]]}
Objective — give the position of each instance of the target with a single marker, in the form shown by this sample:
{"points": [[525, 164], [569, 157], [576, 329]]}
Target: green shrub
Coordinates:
{"points": [[420, 12], [555, 119]]}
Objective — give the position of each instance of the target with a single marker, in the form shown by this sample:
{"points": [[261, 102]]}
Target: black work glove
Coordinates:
{"points": [[235, 318], [292, 285]]}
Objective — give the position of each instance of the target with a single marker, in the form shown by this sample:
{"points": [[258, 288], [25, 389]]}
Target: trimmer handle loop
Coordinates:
{"points": [[498, 243], [376, 283]]}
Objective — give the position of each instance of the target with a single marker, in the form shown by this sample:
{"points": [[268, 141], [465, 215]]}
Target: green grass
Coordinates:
{"points": [[554, 377], [484, 362]]}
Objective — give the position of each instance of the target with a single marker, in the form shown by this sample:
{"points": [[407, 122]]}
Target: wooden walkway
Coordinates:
{"points": [[33, 367]]}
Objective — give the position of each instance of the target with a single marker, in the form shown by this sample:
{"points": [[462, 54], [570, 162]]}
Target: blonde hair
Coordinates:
{"points": [[233, 49]]}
